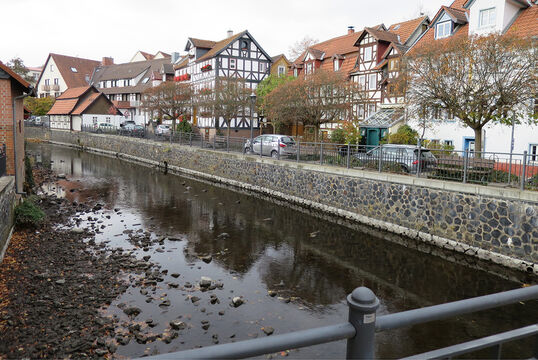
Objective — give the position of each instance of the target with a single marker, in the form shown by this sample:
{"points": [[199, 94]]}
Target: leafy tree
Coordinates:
{"points": [[478, 79], [300, 47], [169, 99], [338, 136], [228, 100], [39, 106], [184, 126], [17, 65], [323, 97], [404, 135]]}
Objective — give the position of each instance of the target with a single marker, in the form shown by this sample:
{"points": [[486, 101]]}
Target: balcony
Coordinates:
{"points": [[45, 87], [55, 87]]}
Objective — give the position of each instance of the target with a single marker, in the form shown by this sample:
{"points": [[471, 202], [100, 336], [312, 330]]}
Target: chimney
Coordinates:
{"points": [[350, 29], [107, 61], [175, 57], [230, 33]]}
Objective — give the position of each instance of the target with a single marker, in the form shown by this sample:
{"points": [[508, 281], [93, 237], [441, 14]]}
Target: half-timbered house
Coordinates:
{"points": [[475, 18], [207, 62]]}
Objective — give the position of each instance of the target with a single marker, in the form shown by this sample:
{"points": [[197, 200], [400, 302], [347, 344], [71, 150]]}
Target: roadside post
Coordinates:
{"points": [[363, 305]]}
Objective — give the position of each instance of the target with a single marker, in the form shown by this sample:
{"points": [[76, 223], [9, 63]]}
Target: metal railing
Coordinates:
{"points": [[3, 160], [363, 324], [484, 168]]}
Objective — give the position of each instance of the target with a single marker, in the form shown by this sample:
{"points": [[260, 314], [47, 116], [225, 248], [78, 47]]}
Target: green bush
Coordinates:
{"points": [[404, 135], [338, 136], [28, 214], [184, 126]]}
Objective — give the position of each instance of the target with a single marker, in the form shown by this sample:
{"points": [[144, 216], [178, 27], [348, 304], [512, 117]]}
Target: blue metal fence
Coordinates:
{"points": [[363, 323]]}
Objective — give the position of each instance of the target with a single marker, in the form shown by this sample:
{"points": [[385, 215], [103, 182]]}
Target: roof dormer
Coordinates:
{"points": [[489, 16], [447, 22]]}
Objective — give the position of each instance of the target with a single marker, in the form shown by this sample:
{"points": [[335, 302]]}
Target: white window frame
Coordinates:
{"points": [[281, 70], [360, 111], [443, 29], [368, 53], [362, 82], [336, 64], [372, 85], [295, 72], [309, 68], [487, 17], [371, 109], [232, 64]]}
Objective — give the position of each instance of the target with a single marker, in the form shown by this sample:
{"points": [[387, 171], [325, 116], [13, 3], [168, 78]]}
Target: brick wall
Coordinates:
{"points": [[8, 90]]}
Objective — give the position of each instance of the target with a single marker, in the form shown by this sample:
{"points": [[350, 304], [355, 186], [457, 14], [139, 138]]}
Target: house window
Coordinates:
{"points": [[368, 54], [371, 109], [126, 82], [111, 97], [360, 112], [52, 68], [295, 72], [362, 82], [394, 64], [103, 84], [309, 68], [487, 17], [244, 45], [107, 119], [443, 29], [261, 67], [56, 94], [448, 143], [55, 81], [336, 64], [372, 82], [533, 152], [47, 81], [232, 63], [282, 70]]}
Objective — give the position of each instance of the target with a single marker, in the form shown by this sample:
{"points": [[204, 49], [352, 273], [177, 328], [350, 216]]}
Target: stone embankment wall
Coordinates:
{"points": [[495, 224], [7, 211]]}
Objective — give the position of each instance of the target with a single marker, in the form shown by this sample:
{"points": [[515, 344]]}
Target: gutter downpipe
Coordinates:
{"points": [[15, 137]]}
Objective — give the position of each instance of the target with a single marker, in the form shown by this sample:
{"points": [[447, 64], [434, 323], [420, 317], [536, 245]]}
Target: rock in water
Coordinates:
{"points": [[177, 325], [207, 259], [237, 301], [205, 281], [132, 311], [268, 330]]}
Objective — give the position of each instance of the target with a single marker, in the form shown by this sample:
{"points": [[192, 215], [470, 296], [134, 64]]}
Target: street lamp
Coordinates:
{"points": [[252, 102]]}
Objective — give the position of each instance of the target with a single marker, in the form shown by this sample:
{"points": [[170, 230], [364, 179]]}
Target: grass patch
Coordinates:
{"points": [[28, 214]]}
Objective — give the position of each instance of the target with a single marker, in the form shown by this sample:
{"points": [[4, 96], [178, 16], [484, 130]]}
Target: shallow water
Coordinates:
{"points": [[311, 262]]}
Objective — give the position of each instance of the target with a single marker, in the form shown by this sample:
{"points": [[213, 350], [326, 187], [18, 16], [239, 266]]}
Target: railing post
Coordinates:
{"points": [[363, 305], [298, 150], [215, 141], [380, 160], [321, 152], [261, 147], [278, 148], [524, 171], [348, 155], [202, 141], [180, 133], [190, 139], [228, 142], [419, 159], [465, 164]]}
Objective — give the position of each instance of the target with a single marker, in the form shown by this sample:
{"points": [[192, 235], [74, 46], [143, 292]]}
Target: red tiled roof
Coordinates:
{"points": [[456, 14], [146, 55], [84, 68], [407, 28], [72, 93], [63, 107], [83, 105], [220, 46], [526, 23], [204, 44], [14, 75]]}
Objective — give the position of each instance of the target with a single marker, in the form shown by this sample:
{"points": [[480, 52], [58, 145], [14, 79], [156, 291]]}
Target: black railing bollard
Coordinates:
{"points": [[363, 305], [348, 155], [524, 171], [278, 149], [190, 138], [298, 150]]}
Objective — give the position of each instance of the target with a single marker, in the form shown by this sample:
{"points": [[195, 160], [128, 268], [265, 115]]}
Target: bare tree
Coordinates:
{"points": [[478, 80], [300, 46], [228, 100], [169, 99], [324, 97]]}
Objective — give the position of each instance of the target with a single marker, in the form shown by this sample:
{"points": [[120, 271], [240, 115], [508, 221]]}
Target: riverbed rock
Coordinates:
{"points": [[268, 330], [205, 282], [207, 259], [237, 301], [132, 311], [177, 325]]}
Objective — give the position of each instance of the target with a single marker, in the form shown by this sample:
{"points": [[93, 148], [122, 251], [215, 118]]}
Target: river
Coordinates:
{"points": [[310, 261]]}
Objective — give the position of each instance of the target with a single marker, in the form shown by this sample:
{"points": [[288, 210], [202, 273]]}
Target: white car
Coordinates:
{"points": [[162, 130]]}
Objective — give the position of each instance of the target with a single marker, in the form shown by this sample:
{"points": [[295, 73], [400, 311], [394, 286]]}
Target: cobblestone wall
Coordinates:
{"points": [[7, 210], [501, 226]]}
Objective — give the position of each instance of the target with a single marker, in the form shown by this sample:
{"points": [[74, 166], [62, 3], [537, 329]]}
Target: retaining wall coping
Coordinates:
{"points": [[5, 182]]}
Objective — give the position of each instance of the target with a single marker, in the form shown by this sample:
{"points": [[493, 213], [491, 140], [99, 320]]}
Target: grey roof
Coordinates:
{"points": [[168, 68], [385, 118], [127, 70]]}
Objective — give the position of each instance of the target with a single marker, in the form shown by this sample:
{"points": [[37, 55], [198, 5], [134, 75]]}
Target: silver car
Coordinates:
{"points": [[271, 145], [403, 156]]}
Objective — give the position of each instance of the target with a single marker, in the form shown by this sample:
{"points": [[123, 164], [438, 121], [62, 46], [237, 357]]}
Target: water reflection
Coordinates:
{"points": [[270, 247]]}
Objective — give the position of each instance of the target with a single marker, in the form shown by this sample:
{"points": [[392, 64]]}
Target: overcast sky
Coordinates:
{"points": [[31, 29]]}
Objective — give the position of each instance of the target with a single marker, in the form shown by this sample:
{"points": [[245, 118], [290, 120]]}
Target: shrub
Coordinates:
{"points": [[184, 126], [338, 136], [28, 214], [29, 183], [404, 135]]}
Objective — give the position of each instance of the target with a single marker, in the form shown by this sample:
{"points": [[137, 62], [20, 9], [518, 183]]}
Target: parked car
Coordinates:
{"points": [[131, 129], [269, 145], [105, 128], [404, 156], [162, 130]]}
